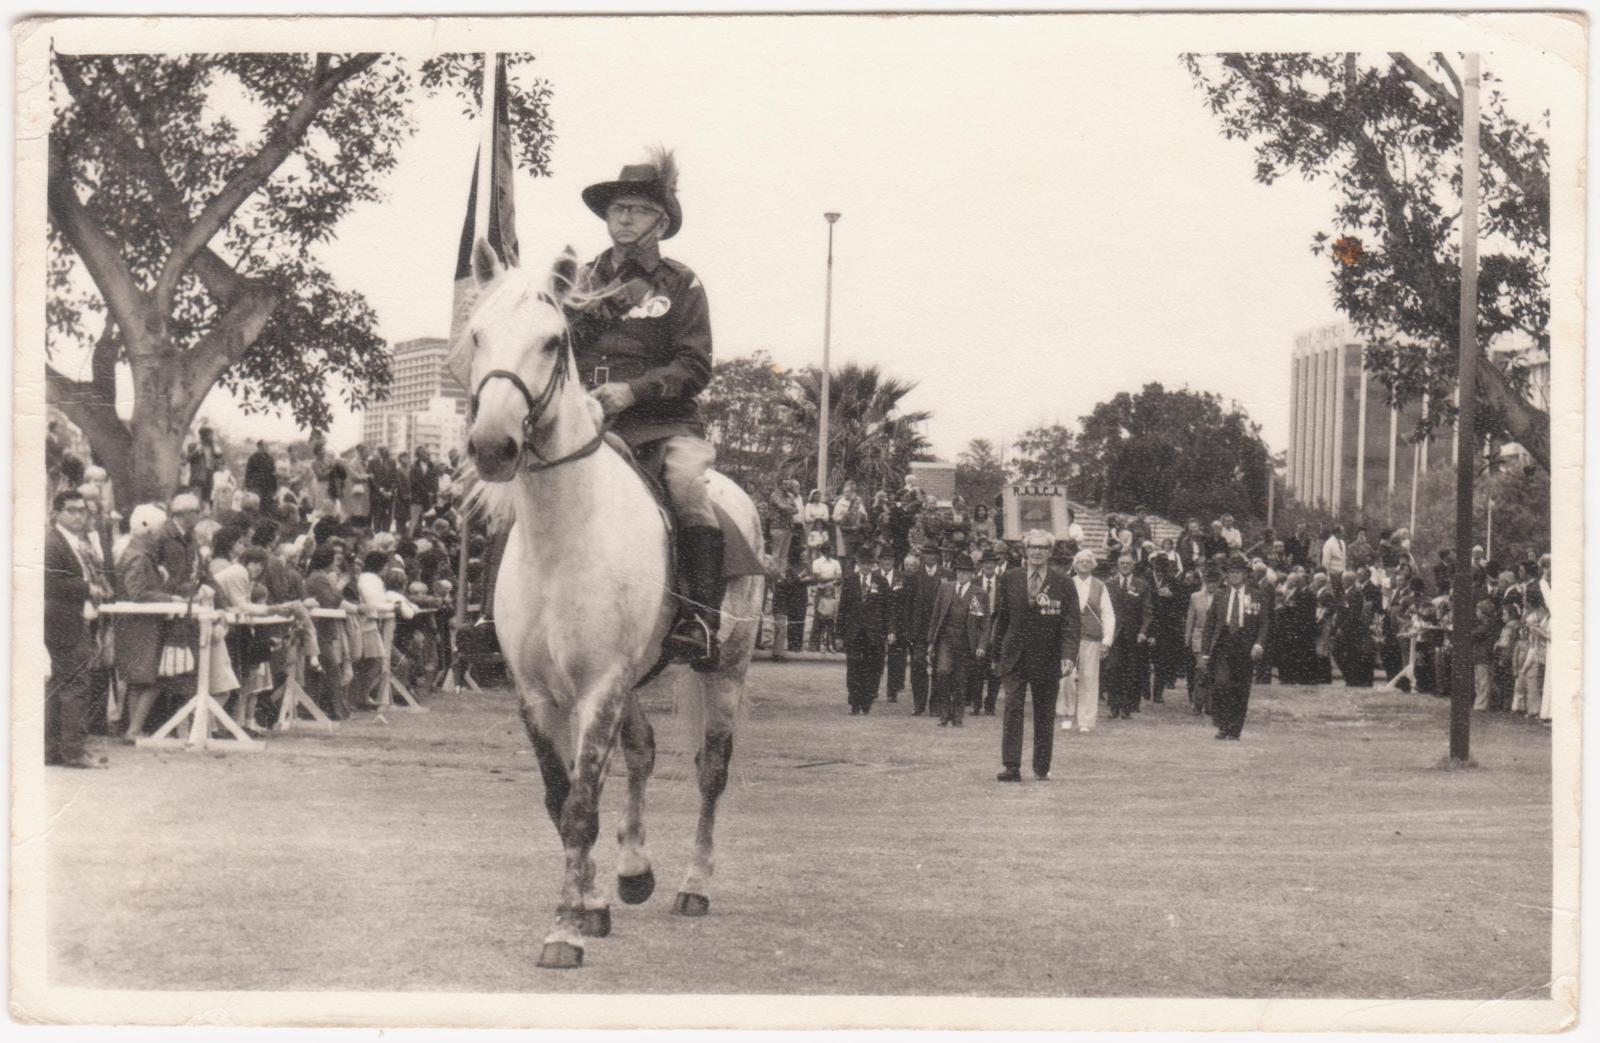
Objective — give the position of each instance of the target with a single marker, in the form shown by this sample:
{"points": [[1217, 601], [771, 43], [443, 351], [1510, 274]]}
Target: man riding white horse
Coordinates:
{"points": [[642, 343]]}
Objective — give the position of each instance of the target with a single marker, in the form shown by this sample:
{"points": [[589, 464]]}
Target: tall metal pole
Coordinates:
{"points": [[1463, 592], [827, 370]]}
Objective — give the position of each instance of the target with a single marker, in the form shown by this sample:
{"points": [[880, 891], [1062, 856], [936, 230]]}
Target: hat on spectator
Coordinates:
{"points": [[1236, 561], [963, 564], [147, 518]]}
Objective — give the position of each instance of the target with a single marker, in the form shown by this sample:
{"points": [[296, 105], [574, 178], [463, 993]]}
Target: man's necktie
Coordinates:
{"points": [[1035, 583]]}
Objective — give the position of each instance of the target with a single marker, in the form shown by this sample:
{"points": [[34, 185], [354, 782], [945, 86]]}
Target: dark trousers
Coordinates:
{"points": [[1125, 680], [917, 665], [1044, 685], [863, 666], [1230, 695], [382, 513], [991, 697], [952, 669], [67, 699], [896, 663], [402, 517]]}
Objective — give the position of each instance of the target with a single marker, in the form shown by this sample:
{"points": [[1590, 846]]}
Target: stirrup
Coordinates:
{"points": [[692, 641]]}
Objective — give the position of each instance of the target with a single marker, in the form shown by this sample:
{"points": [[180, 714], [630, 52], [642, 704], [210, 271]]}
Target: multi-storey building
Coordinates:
{"points": [[1349, 451], [426, 405]]}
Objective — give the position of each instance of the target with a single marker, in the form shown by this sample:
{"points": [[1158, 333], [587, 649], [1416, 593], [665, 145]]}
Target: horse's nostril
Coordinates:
{"points": [[508, 448], [472, 448]]}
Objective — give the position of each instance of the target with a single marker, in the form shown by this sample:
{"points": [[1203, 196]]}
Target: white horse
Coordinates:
{"points": [[583, 597]]}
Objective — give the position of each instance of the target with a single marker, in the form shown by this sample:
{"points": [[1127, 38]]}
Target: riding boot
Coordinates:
{"points": [[694, 638]]}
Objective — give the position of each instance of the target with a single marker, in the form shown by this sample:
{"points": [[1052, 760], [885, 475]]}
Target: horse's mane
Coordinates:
{"points": [[564, 290]]}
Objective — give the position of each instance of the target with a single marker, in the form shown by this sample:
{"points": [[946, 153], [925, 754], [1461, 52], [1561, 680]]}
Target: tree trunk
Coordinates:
{"points": [[159, 424]]}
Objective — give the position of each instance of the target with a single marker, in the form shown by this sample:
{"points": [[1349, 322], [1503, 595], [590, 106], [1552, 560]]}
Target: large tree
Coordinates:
{"points": [[1044, 454], [870, 439], [748, 410], [1388, 135], [980, 473], [187, 195], [1173, 452]]}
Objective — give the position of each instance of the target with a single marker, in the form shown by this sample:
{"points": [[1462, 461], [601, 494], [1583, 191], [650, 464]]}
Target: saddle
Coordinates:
{"points": [[738, 557]]}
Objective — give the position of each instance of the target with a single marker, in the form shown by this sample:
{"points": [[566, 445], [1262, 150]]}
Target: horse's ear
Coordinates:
{"points": [[563, 274], [485, 262]]}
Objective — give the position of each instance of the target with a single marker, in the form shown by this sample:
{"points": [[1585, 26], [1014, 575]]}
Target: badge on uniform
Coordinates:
{"points": [[650, 308], [602, 374]]}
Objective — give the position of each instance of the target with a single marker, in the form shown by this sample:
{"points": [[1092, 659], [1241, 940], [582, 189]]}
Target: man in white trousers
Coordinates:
{"points": [[1097, 621]]}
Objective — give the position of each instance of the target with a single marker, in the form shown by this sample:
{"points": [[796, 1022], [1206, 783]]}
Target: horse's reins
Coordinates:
{"points": [[536, 408]]}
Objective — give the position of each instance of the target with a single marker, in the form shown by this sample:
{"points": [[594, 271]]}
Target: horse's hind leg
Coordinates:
{"points": [[721, 695], [635, 880], [581, 910]]}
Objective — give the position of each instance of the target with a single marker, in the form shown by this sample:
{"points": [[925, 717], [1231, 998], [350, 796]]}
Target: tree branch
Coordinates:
{"points": [[216, 275], [1532, 183], [227, 342], [100, 254], [280, 144]]}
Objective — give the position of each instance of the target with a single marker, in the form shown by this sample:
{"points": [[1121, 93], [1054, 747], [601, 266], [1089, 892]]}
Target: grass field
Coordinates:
{"points": [[1325, 855]]}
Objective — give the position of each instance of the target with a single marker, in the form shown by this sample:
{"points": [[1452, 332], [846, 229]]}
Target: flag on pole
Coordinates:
{"points": [[499, 223]]}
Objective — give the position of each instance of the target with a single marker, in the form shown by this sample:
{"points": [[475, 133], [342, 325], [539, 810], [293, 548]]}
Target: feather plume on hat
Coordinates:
{"points": [[666, 164]]}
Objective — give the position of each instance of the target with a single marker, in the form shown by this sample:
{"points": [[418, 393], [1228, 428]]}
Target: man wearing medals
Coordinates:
{"points": [[1235, 639], [1035, 634]]}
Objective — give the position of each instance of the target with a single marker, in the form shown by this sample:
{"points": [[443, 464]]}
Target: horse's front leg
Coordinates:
{"points": [[582, 911], [635, 879], [721, 694]]}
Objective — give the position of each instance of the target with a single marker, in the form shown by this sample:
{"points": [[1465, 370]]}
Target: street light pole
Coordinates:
{"points": [[827, 338], [1463, 595]]}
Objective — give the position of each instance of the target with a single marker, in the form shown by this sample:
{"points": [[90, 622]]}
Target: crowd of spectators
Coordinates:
{"points": [[357, 532], [1344, 606]]}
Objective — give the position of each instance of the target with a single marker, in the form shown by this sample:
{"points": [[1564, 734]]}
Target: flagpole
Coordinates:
{"points": [[486, 157], [480, 227]]}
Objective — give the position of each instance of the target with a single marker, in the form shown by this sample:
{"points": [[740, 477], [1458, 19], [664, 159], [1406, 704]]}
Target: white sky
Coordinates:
{"points": [[1028, 229]]}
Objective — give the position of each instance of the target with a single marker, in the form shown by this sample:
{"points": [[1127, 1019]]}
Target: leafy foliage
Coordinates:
{"points": [[980, 474], [189, 194], [1388, 134], [747, 410], [870, 439], [1172, 452], [1045, 454]]}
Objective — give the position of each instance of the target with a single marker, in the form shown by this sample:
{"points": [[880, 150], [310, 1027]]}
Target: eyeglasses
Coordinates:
{"points": [[631, 210], [75, 509]]}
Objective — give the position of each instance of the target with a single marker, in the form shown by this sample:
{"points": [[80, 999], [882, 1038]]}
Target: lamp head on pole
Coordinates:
{"points": [[832, 217]]}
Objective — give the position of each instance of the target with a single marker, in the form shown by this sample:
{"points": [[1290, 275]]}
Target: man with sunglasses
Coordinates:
{"points": [[642, 344]]}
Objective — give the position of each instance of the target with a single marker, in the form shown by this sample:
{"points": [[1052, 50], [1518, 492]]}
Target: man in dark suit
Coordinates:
{"points": [[956, 628], [1235, 639], [1127, 680], [67, 587], [902, 592], [1035, 635], [922, 581], [381, 481], [261, 477], [869, 625], [984, 682]]}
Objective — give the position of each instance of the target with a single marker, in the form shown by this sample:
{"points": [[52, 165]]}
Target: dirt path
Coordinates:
{"points": [[1322, 856]]}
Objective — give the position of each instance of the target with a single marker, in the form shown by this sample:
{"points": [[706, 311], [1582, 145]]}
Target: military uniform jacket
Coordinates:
{"points": [[653, 334]]}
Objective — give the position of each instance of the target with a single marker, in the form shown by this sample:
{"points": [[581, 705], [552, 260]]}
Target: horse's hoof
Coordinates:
{"points": [[560, 956], [594, 923], [636, 889], [691, 904]]}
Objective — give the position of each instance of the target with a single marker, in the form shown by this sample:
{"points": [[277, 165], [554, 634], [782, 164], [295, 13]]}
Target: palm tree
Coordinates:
{"points": [[869, 440]]}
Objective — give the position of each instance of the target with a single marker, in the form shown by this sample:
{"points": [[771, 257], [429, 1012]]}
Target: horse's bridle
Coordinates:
{"points": [[536, 408]]}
